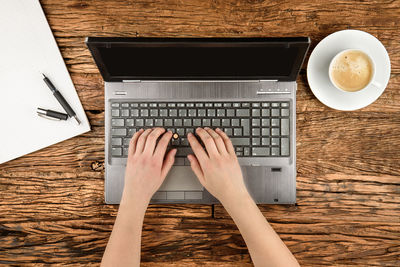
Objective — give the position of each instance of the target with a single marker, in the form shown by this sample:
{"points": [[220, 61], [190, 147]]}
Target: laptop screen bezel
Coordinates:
{"points": [[94, 43]]}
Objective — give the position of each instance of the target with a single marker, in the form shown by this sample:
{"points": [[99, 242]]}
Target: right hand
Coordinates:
{"points": [[217, 169]]}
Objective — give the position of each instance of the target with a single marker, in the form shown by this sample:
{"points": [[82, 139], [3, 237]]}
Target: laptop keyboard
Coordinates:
{"points": [[257, 129]]}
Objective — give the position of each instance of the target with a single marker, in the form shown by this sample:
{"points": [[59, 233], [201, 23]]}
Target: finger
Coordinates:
{"points": [[227, 141], [132, 143], [162, 145], [195, 165], [218, 141], [151, 140], [208, 141], [197, 148], [141, 142], [168, 162]]}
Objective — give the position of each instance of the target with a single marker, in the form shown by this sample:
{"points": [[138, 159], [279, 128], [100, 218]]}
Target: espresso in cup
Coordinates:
{"points": [[351, 70]]}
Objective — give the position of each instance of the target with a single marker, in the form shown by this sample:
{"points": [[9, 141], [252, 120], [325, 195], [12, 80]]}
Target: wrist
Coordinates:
{"points": [[238, 201], [130, 198]]}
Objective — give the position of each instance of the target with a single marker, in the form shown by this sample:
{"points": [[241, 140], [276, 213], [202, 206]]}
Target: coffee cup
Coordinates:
{"points": [[352, 70]]}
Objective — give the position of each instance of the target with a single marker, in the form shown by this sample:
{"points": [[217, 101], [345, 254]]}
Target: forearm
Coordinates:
{"points": [[123, 248], [265, 246]]}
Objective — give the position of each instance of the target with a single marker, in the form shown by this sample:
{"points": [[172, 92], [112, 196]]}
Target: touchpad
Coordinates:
{"points": [[181, 178]]}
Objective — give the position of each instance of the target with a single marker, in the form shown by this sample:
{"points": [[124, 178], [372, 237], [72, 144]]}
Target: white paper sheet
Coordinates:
{"points": [[27, 49]]}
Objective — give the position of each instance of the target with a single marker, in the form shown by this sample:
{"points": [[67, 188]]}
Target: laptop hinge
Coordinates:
{"points": [[139, 81]]}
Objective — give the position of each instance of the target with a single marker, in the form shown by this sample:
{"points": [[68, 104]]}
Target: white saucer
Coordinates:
{"points": [[318, 64]]}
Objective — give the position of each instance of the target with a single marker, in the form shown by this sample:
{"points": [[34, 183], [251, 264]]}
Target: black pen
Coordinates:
{"points": [[48, 113], [61, 99]]}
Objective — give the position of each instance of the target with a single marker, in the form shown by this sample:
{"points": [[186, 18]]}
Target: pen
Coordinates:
{"points": [[61, 99], [47, 113]]}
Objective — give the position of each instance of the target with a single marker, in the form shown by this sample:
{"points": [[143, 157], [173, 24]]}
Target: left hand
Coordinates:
{"points": [[146, 167]]}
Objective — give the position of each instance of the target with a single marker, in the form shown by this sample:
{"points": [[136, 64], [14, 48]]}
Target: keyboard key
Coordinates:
{"points": [[175, 142], [228, 131], [130, 122], [189, 130], [164, 112], [236, 105], [168, 122], [265, 104], [275, 112], [275, 131], [265, 141], [285, 146], [180, 105], [192, 113], [208, 105], [116, 151], [264, 122], [245, 105], [126, 141], [240, 141], [265, 112], [184, 142], [143, 105], [190, 105], [230, 113], [255, 122], [134, 105], [275, 141], [173, 112], [144, 112], [237, 132], [118, 132], [285, 104], [180, 131], [162, 105], [139, 122], [115, 105], [246, 151], [255, 104], [201, 112], [274, 122], [125, 105], [171, 105], [235, 122], [116, 141], [220, 112], [197, 122], [255, 132], [131, 132], [153, 105], [134, 112], [211, 112], [117, 122], [227, 105], [246, 126], [125, 113], [199, 105], [125, 151], [182, 112], [239, 148], [242, 113], [206, 122], [265, 131], [260, 151], [149, 122], [218, 105], [285, 126], [285, 112], [158, 122], [275, 151], [274, 105], [238, 153], [226, 122], [187, 122], [255, 141], [115, 112], [255, 112], [177, 122], [216, 122]]}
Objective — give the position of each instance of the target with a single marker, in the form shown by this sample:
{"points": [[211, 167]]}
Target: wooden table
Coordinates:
{"points": [[348, 177]]}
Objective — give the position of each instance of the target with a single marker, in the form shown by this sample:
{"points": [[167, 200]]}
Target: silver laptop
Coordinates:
{"points": [[245, 86]]}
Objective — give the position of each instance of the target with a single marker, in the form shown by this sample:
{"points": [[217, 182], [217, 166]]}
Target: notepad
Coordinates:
{"points": [[27, 49]]}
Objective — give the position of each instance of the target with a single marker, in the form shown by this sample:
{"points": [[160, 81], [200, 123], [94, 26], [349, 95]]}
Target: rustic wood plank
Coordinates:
{"points": [[348, 210]]}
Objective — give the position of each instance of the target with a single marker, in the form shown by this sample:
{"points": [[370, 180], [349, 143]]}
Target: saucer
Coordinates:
{"points": [[318, 64]]}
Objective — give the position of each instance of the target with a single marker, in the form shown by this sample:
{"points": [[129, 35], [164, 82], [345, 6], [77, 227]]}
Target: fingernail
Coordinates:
{"points": [[189, 158], [189, 134], [198, 129], [206, 128], [218, 129]]}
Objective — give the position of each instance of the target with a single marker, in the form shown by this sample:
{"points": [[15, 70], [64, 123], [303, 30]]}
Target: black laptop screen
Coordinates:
{"points": [[157, 61]]}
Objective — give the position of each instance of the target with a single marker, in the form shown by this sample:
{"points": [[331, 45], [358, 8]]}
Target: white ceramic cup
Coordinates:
{"points": [[371, 81]]}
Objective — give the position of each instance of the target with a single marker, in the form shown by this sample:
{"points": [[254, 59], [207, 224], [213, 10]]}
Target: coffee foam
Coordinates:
{"points": [[352, 71]]}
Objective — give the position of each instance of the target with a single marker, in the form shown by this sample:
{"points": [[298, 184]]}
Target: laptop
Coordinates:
{"points": [[245, 86]]}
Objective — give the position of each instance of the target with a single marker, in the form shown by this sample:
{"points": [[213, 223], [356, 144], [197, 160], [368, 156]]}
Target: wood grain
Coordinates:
{"points": [[348, 185]]}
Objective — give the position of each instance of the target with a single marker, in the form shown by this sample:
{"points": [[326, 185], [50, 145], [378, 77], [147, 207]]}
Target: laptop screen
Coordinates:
{"points": [[198, 59]]}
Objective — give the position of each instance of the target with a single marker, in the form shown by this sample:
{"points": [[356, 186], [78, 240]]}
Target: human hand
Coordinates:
{"points": [[217, 169], [146, 167]]}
